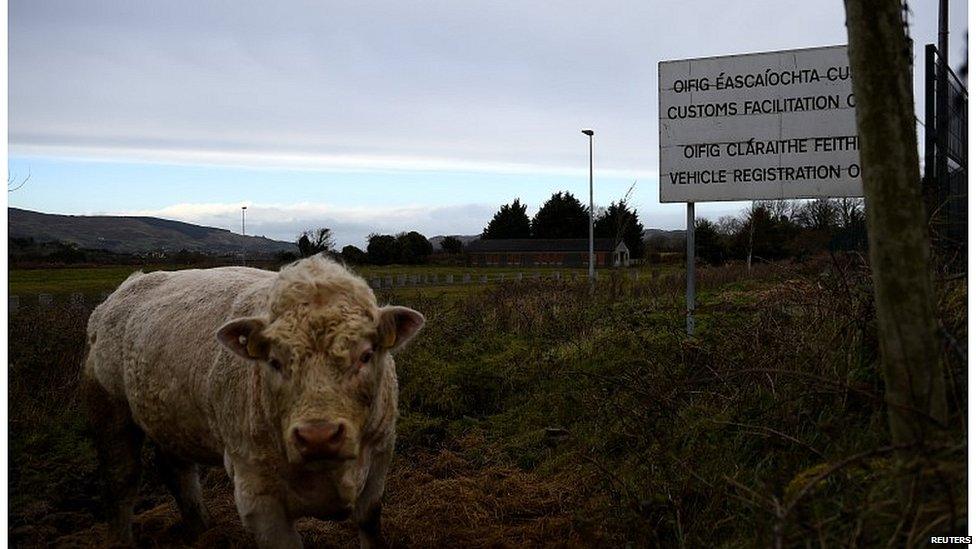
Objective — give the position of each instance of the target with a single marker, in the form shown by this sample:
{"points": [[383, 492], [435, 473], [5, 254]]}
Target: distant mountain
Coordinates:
{"points": [[435, 241], [135, 235], [667, 234], [662, 240]]}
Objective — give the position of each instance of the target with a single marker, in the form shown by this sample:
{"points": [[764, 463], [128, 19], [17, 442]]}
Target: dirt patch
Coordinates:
{"points": [[432, 499]]}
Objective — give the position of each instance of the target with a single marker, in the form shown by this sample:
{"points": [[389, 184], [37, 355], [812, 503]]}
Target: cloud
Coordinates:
{"points": [[353, 225], [349, 225], [496, 86], [344, 163]]}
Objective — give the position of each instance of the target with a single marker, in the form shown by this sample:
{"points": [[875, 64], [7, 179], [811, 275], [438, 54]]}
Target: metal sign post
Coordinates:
{"points": [[690, 291]]}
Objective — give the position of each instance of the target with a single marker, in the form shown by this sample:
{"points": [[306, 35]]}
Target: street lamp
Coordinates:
{"points": [[588, 132], [243, 234]]}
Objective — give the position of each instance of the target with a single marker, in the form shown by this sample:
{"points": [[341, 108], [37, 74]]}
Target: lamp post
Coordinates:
{"points": [[243, 234], [589, 133]]}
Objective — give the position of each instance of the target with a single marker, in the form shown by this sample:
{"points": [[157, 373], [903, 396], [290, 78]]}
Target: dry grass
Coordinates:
{"points": [[767, 428]]}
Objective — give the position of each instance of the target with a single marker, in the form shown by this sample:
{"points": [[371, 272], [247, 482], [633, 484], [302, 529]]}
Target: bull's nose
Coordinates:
{"points": [[320, 439]]}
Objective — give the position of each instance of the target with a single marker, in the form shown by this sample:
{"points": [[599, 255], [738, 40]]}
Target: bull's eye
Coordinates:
{"points": [[275, 364], [366, 357]]}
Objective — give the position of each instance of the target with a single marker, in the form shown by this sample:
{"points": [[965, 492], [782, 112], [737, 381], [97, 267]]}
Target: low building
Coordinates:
{"points": [[535, 252]]}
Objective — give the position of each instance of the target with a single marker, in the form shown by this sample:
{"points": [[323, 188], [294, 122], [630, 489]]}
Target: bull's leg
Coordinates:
{"points": [[182, 478], [118, 442], [370, 536], [263, 513], [369, 505]]}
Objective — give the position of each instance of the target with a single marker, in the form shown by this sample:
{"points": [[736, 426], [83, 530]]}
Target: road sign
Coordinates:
{"points": [[757, 126]]}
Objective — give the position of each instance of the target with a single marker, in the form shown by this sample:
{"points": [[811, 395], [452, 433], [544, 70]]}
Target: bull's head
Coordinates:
{"points": [[323, 364]]}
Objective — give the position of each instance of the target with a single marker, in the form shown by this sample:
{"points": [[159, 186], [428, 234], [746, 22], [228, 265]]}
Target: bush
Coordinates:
{"points": [[383, 249], [354, 256], [414, 248], [452, 245]]}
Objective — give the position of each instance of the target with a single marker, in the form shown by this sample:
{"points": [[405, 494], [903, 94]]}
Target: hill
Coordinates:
{"points": [[435, 241], [135, 235], [664, 239]]}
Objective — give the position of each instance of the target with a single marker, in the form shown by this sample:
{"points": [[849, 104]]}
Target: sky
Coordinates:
{"points": [[368, 117]]}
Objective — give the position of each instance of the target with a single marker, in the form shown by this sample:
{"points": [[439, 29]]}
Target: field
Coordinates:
{"points": [[536, 413], [97, 280], [89, 280]]}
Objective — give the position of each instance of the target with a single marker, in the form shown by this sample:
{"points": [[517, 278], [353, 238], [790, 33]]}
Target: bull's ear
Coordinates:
{"points": [[398, 325], [243, 336]]}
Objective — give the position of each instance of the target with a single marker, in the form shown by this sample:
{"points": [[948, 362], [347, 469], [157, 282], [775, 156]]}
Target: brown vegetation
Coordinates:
{"points": [[534, 414]]}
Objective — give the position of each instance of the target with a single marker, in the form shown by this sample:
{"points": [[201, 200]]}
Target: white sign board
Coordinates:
{"points": [[758, 126]]}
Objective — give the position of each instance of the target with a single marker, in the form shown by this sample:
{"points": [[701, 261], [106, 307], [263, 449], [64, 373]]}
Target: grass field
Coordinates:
{"points": [[96, 280], [539, 414], [68, 280]]}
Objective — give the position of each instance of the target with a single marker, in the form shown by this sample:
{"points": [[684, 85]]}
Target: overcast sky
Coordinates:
{"points": [[367, 116]]}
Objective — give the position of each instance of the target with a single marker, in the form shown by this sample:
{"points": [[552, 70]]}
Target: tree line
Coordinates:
{"points": [[768, 230], [564, 216], [410, 248], [783, 229]]}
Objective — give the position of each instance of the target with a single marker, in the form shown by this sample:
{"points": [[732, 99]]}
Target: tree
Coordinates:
{"points": [[14, 185], [510, 221], [452, 245], [315, 242], [353, 255], [816, 224], [728, 225], [819, 215], [879, 53], [621, 224], [414, 248], [764, 234], [562, 216], [853, 232], [710, 246], [383, 249]]}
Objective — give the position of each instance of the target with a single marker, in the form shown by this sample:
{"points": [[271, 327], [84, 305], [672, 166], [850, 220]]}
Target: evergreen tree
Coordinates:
{"points": [[710, 245], [510, 221], [353, 255], [621, 224], [562, 216], [452, 245], [414, 248]]}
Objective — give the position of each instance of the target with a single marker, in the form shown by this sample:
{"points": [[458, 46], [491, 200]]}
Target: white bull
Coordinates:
{"points": [[285, 379]]}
